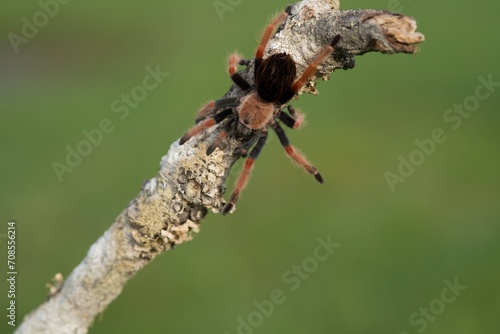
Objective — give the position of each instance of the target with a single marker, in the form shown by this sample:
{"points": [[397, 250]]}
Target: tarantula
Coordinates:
{"points": [[262, 106]]}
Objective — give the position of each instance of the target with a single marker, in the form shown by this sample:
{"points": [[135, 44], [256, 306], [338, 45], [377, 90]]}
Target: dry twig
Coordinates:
{"points": [[170, 206]]}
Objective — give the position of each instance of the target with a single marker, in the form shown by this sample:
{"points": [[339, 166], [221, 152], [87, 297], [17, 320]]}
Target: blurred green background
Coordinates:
{"points": [[397, 247]]}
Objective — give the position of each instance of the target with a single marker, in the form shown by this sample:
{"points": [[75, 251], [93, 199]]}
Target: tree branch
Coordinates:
{"points": [[170, 206]]}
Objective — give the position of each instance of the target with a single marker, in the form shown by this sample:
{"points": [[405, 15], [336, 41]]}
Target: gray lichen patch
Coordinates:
{"points": [[198, 177], [162, 221], [151, 213], [177, 234], [170, 206]]}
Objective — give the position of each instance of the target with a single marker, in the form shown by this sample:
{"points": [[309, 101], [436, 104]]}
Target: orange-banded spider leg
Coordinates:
{"points": [[296, 119], [311, 69], [245, 174], [202, 126], [259, 53], [294, 154], [223, 134], [234, 61], [215, 105]]}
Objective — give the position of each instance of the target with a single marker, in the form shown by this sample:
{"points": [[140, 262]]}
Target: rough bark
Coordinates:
{"points": [[170, 206]]}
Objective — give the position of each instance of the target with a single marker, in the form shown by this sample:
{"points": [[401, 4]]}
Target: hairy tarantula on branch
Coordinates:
{"points": [[262, 107]]}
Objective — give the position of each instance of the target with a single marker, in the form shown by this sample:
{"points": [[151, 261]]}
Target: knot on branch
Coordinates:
{"points": [[399, 33]]}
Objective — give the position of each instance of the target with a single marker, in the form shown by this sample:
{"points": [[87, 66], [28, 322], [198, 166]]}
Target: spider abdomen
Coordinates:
{"points": [[254, 112], [275, 76]]}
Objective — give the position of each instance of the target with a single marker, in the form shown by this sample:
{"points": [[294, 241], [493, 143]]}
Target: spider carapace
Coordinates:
{"points": [[262, 106]]}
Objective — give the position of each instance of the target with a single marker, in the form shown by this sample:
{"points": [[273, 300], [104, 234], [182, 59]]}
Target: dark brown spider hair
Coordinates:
{"points": [[275, 76], [262, 106]]}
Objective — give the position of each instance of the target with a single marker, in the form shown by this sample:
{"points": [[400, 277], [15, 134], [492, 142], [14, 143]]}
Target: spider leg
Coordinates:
{"points": [[294, 154], [223, 134], [294, 120], [311, 69], [214, 105], [202, 126], [234, 61], [245, 174], [259, 53], [243, 149]]}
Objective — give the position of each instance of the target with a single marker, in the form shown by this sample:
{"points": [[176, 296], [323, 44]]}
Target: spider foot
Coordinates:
{"points": [[241, 152], [311, 169], [211, 149], [228, 209], [335, 40], [319, 178], [184, 139], [244, 62]]}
